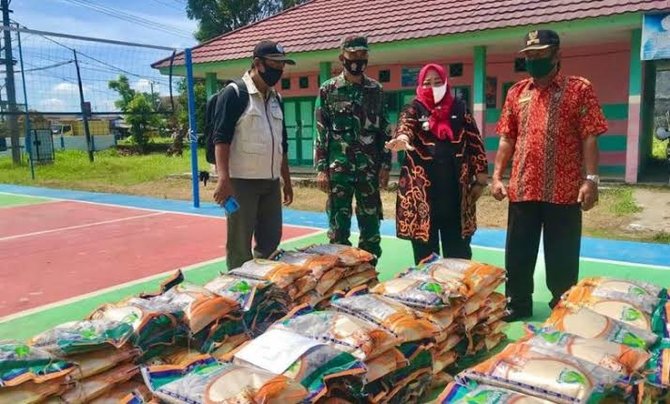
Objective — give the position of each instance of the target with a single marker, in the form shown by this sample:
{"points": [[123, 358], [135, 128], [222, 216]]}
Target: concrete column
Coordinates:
{"points": [[479, 88], [324, 71], [211, 84], [634, 110]]}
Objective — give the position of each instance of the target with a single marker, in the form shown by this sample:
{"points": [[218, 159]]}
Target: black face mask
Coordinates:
{"points": [[355, 67], [271, 75]]}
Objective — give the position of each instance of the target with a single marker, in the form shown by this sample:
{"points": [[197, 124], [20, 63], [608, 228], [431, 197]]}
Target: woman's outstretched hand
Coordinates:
{"points": [[401, 143]]}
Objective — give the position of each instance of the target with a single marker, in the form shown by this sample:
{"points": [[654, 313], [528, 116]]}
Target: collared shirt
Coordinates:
{"points": [[549, 126], [352, 127]]}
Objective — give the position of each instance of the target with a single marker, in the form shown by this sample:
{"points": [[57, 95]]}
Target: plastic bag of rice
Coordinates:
{"points": [[546, 374], [207, 380], [587, 323]]}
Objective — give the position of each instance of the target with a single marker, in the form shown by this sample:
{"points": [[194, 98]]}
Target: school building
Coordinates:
{"points": [[478, 42]]}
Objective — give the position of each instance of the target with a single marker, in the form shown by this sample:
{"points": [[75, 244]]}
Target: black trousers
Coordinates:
{"points": [[453, 245], [562, 225]]}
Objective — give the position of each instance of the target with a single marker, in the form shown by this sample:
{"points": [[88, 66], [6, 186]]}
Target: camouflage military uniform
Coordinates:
{"points": [[352, 130]]}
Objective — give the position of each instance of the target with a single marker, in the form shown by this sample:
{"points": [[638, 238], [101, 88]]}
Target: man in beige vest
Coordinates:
{"points": [[251, 156]]}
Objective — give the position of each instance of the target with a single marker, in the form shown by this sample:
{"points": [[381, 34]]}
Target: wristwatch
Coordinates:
{"points": [[481, 184], [593, 178]]}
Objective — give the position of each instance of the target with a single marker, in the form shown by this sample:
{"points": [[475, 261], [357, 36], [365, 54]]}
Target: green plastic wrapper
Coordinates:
{"points": [[480, 393], [20, 363], [78, 337], [206, 380]]}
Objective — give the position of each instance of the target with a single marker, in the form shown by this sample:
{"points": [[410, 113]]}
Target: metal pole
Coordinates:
{"points": [[193, 130], [84, 111], [11, 89], [28, 138]]}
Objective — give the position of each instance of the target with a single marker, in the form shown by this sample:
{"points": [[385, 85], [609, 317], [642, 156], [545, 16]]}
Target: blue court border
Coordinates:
{"points": [[594, 248]]}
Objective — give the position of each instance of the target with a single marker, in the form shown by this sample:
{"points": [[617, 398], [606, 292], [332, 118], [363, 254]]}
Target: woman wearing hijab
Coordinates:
{"points": [[444, 172]]}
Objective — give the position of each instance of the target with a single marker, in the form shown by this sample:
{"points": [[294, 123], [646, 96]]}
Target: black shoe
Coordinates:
{"points": [[518, 315]]}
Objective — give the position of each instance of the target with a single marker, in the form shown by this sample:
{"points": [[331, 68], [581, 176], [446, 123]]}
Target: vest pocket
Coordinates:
{"points": [[254, 148]]}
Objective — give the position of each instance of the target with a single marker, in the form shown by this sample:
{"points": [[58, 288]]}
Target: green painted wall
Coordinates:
{"points": [[635, 74]]}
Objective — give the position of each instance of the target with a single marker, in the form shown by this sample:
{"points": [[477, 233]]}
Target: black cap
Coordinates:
{"points": [[353, 43], [271, 50], [540, 39]]}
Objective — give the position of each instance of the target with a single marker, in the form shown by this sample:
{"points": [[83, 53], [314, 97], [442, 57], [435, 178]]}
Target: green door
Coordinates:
{"points": [[292, 129], [299, 119], [306, 134]]}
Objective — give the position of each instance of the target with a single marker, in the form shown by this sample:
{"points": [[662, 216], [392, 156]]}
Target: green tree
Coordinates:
{"points": [[142, 118], [139, 110], [216, 17], [200, 104], [122, 86]]}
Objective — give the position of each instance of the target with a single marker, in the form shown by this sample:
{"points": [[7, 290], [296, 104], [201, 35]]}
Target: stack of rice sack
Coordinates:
{"points": [[370, 344], [599, 342], [331, 268], [482, 309], [415, 334], [31, 375], [553, 366], [457, 297], [204, 379], [180, 314], [103, 359], [261, 301], [640, 308], [547, 369], [284, 276], [323, 371]]}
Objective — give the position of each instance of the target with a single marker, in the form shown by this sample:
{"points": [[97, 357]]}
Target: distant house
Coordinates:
{"points": [[69, 125]]}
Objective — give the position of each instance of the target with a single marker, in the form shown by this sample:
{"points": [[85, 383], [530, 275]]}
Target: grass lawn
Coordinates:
{"points": [[154, 175]]}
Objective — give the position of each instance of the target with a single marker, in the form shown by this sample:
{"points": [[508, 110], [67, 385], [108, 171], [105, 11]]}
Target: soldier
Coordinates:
{"points": [[350, 155]]}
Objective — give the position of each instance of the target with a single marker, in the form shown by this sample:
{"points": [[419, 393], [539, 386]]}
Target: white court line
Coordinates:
{"points": [[80, 226], [540, 255], [79, 298], [50, 199], [23, 205], [222, 217], [603, 261]]}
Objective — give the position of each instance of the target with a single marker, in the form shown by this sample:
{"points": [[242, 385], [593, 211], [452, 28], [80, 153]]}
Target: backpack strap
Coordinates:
{"points": [[242, 94]]}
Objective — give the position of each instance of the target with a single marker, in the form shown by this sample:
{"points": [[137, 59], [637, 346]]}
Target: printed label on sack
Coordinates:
{"points": [[276, 350]]}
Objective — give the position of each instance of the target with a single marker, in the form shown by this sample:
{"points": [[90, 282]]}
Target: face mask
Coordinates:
{"points": [[538, 68], [271, 75], [355, 67], [439, 93]]}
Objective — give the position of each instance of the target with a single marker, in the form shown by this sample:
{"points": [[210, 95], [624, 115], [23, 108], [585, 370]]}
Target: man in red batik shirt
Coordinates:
{"points": [[549, 127]]}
